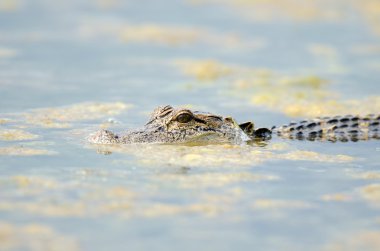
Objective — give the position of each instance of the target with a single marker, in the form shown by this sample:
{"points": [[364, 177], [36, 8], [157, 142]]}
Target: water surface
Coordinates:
{"points": [[68, 68]]}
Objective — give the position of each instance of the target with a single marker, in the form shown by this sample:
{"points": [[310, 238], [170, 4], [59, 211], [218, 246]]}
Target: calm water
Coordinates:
{"points": [[70, 67]]}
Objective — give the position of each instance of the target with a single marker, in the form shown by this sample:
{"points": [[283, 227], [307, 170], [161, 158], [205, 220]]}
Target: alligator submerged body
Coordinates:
{"points": [[180, 125], [337, 128]]}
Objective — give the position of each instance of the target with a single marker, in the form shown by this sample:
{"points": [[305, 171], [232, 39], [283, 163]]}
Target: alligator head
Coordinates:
{"points": [[181, 125]]}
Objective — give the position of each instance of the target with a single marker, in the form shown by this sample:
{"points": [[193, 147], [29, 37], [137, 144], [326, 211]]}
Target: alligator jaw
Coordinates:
{"points": [[103, 137]]}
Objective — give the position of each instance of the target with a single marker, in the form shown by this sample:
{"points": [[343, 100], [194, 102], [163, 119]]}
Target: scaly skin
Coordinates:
{"points": [[338, 128], [170, 125]]}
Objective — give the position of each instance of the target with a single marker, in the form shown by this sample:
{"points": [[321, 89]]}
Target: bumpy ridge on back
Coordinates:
{"points": [[338, 128]]}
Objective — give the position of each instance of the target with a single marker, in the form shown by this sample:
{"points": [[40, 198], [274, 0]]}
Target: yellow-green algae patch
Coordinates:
{"points": [[214, 179], [108, 206], [180, 35], [204, 70], [364, 240], [159, 34], [220, 156], [15, 134], [34, 237], [159, 210], [314, 156], [9, 5], [336, 197], [115, 192], [4, 121], [31, 185], [94, 200], [7, 52], [278, 146], [169, 35], [301, 96], [98, 200], [48, 208], [296, 96], [303, 11], [269, 10], [371, 193], [61, 116], [158, 155], [370, 10], [24, 151], [368, 175], [265, 204], [209, 205]]}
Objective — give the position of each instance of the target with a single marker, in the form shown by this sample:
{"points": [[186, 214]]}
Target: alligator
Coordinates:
{"points": [[180, 125]]}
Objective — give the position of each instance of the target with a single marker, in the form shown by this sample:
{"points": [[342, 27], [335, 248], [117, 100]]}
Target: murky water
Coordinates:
{"points": [[68, 68]]}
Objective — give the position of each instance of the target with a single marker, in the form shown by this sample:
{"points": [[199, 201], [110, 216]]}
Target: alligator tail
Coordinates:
{"points": [[338, 128]]}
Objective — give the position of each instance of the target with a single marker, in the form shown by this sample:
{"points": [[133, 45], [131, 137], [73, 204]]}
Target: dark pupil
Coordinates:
{"points": [[184, 118]]}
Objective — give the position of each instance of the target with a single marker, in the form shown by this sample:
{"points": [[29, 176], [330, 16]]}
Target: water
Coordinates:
{"points": [[70, 67]]}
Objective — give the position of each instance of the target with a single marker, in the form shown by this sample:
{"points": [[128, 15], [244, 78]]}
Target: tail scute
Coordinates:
{"points": [[338, 128]]}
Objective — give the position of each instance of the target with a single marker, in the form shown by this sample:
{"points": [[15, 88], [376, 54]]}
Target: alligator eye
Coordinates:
{"points": [[184, 118]]}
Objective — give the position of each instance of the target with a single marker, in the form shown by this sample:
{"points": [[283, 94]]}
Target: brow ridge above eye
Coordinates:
{"points": [[215, 117], [165, 111]]}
